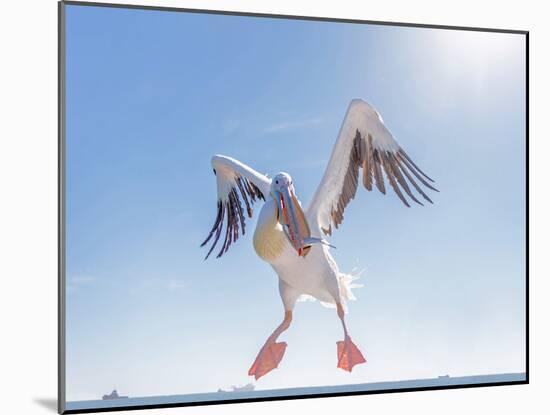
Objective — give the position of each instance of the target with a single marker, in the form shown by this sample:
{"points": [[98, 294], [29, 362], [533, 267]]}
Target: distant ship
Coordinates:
{"points": [[246, 388], [113, 395]]}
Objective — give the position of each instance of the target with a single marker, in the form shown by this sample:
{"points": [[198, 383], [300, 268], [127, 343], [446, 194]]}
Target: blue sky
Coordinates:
{"points": [[152, 95]]}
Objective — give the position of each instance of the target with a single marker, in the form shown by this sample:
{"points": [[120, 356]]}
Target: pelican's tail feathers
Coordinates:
{"points": [[347, 284]]}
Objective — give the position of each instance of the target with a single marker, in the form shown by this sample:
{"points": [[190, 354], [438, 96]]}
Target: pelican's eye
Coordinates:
{"points": [[276, 181]]}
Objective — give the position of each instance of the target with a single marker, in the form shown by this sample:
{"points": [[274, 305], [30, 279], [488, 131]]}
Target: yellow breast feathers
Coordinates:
{"points": [[269, 239]]}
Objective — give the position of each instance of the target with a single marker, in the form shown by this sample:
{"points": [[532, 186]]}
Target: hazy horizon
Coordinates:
{"points": [[505, 378]]}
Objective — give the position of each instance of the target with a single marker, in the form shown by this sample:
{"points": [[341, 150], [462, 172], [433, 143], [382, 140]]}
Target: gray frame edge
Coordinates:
{"points": [[61, 281]]}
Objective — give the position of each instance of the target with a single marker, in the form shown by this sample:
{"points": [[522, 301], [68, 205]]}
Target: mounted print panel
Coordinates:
{"points": [[259, 207]]}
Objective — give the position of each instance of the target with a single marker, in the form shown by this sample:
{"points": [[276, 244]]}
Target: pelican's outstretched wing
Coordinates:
{"points": [[237, 183], [363, 141]]}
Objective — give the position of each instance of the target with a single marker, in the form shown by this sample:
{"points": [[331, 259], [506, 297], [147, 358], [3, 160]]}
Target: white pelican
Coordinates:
{"points": [[291, 239]]}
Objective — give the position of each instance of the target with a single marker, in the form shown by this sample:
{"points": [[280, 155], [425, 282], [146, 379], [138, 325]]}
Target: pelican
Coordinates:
{"points": [[292, 239]]}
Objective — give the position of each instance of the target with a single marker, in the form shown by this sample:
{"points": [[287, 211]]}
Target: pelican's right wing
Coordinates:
{"points": [[237, 183], [363, 142]]}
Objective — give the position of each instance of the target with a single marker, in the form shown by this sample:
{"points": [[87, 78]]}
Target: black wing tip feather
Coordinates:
{"points": [[398, 167], [403, 164], [232, 210]]}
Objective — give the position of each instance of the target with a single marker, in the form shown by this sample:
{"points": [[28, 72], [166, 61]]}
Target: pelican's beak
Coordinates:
{"points": [[293, 220]]}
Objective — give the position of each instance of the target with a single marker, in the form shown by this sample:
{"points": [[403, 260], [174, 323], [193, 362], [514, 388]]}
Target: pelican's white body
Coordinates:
{"points": [[314, 275]]}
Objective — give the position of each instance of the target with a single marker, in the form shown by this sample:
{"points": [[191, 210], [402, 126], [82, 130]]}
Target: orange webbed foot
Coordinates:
{"points": [[349, 354], [268, 359]]}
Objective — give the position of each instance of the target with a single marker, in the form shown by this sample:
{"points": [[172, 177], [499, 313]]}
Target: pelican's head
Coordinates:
{"points": [[282, 181], [290, 213]]}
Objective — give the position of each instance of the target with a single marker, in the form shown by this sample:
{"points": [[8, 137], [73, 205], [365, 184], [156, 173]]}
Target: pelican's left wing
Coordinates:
{"points": [[363, 142], [237, 183]]}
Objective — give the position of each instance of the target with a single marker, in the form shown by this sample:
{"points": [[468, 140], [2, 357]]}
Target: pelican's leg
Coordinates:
{"points": [[349, 354], [271, 353]]}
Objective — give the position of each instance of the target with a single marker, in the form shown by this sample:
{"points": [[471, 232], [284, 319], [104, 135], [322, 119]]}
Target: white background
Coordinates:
{"points": [[28, 204]]}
